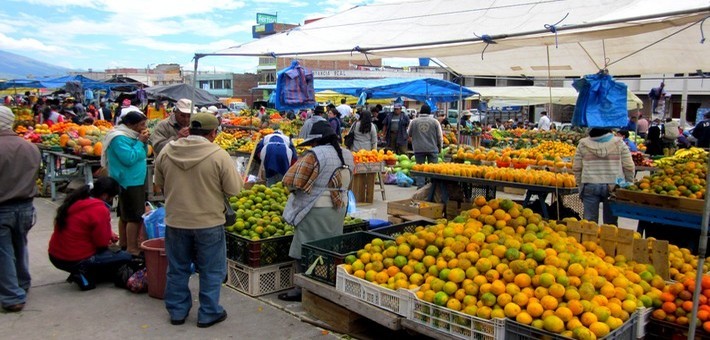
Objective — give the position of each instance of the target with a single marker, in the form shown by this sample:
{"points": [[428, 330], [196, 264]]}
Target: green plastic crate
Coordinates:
{"points": [[399, 229], [258, 253], [320, 258]]}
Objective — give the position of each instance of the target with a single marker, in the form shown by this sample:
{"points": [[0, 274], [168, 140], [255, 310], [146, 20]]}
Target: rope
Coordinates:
{"points": [[358, 49], [553, 28], [588, 55], [486, 39], [702, 34], [656, 42]]}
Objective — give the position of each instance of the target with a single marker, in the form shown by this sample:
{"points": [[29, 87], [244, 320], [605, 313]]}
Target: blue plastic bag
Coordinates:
{"points": [[403, 180], [351, 202], [601, 102], [154, 222]]}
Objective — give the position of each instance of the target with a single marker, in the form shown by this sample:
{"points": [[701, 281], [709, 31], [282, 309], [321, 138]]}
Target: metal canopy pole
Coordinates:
{"points": [[702, 249], [194, 83]]}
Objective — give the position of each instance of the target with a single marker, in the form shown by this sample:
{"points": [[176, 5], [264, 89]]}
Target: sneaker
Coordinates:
{"points": [[212, 323]]}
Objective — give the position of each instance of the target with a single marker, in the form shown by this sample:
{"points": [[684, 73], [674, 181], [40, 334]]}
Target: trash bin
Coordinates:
{"points": [[156, 264]]}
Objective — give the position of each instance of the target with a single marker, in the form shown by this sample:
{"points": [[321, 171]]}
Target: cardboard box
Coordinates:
{"points": [[415, 207]]}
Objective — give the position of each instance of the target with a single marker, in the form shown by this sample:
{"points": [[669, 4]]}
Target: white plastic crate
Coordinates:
{"points": [[365, 214], [262, 280], [644, 316], [454, 323], [391, 300]]}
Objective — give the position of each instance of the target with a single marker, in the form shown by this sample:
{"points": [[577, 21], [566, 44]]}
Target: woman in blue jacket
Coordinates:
{"points": [[125, 153]]}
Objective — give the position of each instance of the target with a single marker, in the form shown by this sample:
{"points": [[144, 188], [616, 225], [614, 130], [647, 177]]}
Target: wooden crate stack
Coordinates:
{"points": [[616, 241]]}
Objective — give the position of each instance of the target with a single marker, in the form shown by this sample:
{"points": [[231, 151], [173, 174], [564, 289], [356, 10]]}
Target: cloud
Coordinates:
{"points": [[288, 3], [27, 45], [147, 9], [188, 48]]}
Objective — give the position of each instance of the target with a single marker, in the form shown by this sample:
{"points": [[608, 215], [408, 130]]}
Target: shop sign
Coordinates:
{"points": [[263, 18]]}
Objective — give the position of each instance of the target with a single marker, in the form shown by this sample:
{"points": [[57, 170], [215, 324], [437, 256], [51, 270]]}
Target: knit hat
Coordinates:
{"points": [[425, 110], [205, 121], [7, 118]]}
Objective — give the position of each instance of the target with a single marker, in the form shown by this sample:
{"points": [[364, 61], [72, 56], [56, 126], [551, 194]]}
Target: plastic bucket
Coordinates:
{"points": [[156, 264]]}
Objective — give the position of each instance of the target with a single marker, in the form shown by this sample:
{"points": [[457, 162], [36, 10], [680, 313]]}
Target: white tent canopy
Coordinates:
{"points": [[537, 95], [667, 34]]}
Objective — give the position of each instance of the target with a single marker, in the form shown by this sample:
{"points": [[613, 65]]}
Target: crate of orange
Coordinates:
{"points": [[519, 331], [394, 301], [672, 319]]}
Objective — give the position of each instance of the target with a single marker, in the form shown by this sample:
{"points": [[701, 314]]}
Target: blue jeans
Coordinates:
{"points": [[16, 220], [99, 266], [592, 194], [208, 250], [422, 158], [274, 179]]}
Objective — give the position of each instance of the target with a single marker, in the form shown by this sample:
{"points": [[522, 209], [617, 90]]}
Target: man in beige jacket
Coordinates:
{"points": [[196, 175]]}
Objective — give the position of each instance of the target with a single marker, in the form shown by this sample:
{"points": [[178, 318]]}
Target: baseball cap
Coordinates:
{"points": [[397, 106], [204, 121], [183, 105]]}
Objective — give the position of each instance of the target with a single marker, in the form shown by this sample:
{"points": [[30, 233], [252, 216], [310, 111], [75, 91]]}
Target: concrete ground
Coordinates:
{"points": [[56, 309]]}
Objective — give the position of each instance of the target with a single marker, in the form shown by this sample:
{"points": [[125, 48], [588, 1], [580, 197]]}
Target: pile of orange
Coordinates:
{"points": [[533, 177], [677, 299], [370, 156], [682, 179], [547, 153], [500, 260]]}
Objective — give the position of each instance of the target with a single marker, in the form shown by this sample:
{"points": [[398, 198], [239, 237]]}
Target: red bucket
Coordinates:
{"points": [[156, 264]]}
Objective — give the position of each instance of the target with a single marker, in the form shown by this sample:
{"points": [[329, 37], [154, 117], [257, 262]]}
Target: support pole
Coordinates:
{"points": [[702, 249], [194, 83], [684, 102], [549, 85]]}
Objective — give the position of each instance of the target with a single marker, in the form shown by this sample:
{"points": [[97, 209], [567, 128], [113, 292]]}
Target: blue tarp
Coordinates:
{"points": [[32, 83], [86, 83], [421, 89]]}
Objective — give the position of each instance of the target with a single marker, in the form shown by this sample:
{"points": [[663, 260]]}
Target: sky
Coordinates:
{"points": [[101, 34]]}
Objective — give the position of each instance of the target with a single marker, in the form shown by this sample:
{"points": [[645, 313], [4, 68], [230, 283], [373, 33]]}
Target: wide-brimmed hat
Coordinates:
{"points": [[320, 129], [184, 105]]}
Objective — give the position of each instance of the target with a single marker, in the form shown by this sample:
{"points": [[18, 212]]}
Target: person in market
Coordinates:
{"points": [[190, 168], [701, 132], [50, 116], [396, 130], [654, 139], [441, 117], [105, 112], [632, 126], [19, 164], [344, 109], [308, 123], [125, 153], [599, 162], [276, 153], [174, 127], [671, 131], [82, 235], [642, 126], [375, 112], [365, 132], [465, 121], [318, 199], [624, 135], [126, 107], [335, 123], [544, 123], [427, 139], [657, 96]]}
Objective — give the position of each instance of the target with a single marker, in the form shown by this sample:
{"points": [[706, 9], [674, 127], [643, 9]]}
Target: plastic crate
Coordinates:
{"points": [[353, 227], [399, 229], [258, 253], [518, 331], [451, 322], [660, 329], [262, 280], [321, 257], [394, 301], [376, 224], [644, 316]]}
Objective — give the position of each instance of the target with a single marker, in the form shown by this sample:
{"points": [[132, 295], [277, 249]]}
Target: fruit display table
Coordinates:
{"points": [[439, 180], [650, 213], [364, 176], [59, 169]]}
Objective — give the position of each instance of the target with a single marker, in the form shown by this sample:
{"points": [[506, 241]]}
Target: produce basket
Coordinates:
{"points": [[394, 301], [370, 167], [518, 331], [260, 252], [660, 329], [399, 229], [451, 322], [644, 316], [260, 281], [321, 257]]}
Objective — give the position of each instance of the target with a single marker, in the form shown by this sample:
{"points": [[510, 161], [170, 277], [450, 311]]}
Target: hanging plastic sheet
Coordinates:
{"points": [[601, 102], [294, 88]]}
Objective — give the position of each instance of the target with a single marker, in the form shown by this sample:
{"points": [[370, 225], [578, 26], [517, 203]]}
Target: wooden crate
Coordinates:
{"points": [[364, 187], [664, 201], [415, 207], [454, 208]]}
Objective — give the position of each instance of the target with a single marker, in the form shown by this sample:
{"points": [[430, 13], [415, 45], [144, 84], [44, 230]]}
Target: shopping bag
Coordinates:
{"points": [[352, 206], [154, 222], [403, 180]]}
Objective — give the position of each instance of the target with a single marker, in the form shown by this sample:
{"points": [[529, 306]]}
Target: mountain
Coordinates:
{"points": [[16, 66]]}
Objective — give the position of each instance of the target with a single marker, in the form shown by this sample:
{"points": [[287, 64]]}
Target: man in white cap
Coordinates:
{"points": [[19, 164], [174, 127]]}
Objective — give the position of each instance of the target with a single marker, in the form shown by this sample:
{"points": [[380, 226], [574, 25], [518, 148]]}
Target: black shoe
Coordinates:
{"points": [[84, 282], [177, 322], [14, 308], [290, 297], [212, 323]]}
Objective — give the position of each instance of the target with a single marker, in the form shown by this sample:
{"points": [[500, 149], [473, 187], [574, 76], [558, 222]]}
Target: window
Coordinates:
{"points": [[216, 84], [204, 84], [227, 84]]}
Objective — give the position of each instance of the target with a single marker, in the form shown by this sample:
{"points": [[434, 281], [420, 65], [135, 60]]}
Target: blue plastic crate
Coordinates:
{"points": [[376, 224]]}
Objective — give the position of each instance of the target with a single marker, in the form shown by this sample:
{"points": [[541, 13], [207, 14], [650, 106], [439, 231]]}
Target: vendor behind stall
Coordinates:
{"points": [[174, 127]]}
